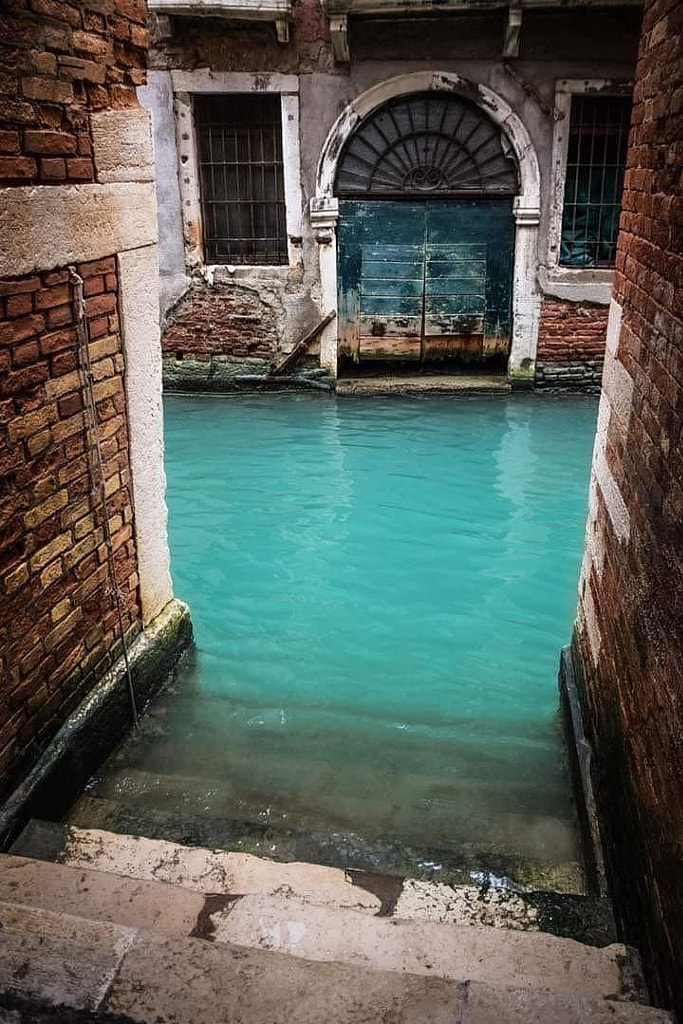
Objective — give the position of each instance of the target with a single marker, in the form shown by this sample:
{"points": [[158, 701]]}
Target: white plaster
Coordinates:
{"points": [[526, 295], [614, 326], [206, 80], [617, 385], [53, 225], [139, 309], [122, 145], [588, 623], [614, 503]]}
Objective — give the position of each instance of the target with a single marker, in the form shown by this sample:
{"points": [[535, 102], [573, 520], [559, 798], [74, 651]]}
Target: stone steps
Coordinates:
{"points": [[151, 804], [145, 976], [127, 952], [585, 919], [153, 930], [329, 921]]}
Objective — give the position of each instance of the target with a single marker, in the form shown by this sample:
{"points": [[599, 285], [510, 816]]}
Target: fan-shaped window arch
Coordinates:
{"points": [[429, 142]]}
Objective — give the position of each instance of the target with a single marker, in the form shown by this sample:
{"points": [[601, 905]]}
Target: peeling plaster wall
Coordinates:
{"points": [[554, 47]]}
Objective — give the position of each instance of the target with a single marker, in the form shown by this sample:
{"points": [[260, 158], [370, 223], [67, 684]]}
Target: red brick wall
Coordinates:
{"points": [[58, 618], [229, 320], [58, 61], [629, 638], [571, 343]]}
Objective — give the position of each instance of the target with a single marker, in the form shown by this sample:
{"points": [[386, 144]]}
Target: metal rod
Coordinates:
{"points": [[96, 467]]}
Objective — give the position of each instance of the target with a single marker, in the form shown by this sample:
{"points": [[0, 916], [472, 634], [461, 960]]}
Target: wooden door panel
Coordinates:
{"points": [[425, 279]]}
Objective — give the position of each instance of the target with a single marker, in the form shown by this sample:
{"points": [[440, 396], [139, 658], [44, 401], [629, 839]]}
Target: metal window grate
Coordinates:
{"points": [[596, 159], [239, 144], [429, 142]]}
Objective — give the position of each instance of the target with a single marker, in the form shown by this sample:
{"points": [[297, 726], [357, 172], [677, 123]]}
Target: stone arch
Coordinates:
{"points": [[324, 207]]}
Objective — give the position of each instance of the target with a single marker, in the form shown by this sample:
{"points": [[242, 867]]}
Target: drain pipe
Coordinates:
{"points": [[96, 467]]}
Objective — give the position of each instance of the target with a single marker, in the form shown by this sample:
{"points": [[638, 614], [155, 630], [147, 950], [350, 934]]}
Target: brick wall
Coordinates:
{"points": [[58, 622], [571, 344], [629, 636], [58, 61], [227, 321]]}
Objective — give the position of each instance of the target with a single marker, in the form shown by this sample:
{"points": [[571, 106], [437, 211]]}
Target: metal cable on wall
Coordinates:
{"points": [[96, 467]]}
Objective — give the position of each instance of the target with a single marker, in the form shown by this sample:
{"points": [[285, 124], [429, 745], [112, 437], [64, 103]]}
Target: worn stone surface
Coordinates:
{"points": [[59, 958], [486, 1004], [190, 981], [328, 933], [422, 385], [348, 850], [99, 896], [138, 272], [95, 221]]}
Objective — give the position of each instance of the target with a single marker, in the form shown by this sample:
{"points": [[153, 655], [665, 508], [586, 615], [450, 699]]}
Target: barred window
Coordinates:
{"points": [[596, 159], [239, 148]]}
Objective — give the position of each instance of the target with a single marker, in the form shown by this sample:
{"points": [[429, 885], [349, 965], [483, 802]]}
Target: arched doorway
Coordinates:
{"points": [[426, 235], [325, 207]]}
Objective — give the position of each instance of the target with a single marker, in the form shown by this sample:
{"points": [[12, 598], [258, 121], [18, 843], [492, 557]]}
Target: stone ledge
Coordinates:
{"points": [[99, 722], [49, 226]]}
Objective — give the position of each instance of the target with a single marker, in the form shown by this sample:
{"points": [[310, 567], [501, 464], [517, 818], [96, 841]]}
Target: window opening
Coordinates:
{"points": [[239, 149]]}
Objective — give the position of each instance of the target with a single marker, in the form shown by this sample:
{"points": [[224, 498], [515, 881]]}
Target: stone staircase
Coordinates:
{"points": [[129, 928]]}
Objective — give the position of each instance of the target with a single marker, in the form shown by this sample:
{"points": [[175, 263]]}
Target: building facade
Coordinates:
{"points": [[446, 177]]}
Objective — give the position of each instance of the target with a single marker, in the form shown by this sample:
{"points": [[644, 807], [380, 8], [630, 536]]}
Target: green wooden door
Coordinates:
{"points": [[425, 280]]}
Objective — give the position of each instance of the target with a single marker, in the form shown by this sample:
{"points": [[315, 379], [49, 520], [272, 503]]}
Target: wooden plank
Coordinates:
{"points": [[291, 358], [453, 325], [391, 289], [395, 305], [455, 286], [397, 347], [390, 326]]}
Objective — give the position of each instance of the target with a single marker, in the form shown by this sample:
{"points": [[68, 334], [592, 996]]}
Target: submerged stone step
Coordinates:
{"points": [[584, 919], [424, 384], [336, 848], [62, 960]]}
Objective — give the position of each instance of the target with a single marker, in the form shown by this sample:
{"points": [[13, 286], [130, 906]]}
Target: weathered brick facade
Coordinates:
{"points": [[58, 61], [59, 621], [629, 637], [221, 320], [571, 344]]}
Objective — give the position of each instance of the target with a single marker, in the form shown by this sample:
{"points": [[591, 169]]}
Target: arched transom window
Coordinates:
{"points": [[429, 142]]}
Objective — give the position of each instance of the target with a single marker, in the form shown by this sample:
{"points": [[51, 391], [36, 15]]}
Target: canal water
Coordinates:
{"points": [[380, 589]]}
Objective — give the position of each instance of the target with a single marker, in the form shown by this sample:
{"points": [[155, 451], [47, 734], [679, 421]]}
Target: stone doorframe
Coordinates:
{"points": [[324, 209]]}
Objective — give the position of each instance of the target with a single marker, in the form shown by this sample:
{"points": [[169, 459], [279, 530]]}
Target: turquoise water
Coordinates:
{"points": [[380, 590]]}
